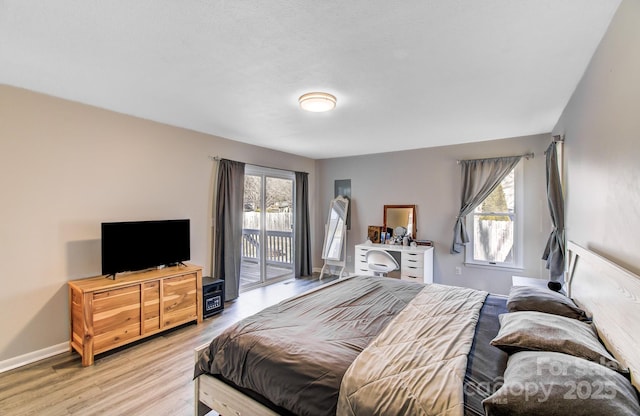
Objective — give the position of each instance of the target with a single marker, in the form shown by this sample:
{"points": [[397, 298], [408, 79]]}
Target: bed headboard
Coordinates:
{"points": [[611, 296]]}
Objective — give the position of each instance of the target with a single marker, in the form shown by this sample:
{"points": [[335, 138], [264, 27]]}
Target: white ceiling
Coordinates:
{"points": [[407, 74]]}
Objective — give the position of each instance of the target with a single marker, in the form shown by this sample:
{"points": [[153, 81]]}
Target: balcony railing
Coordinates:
{"points": [[279, 246]]}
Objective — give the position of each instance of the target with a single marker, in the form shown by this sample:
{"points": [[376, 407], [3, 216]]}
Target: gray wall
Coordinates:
{"points": [[67, 167], [430, 178], [601, 124]]}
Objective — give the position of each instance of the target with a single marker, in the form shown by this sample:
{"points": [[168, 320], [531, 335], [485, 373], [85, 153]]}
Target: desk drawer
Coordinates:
{"points": [[412, 259], [410, 278], [361, 255], [413, 271], [360, 262], [362, 268]]}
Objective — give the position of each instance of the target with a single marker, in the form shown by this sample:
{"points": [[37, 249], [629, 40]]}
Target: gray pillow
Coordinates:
{"points": [[530, 298], [537, 331], [551, 383]]}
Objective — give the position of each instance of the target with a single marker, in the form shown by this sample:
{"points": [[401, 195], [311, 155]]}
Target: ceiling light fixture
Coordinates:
{"points": [[317, 101]]}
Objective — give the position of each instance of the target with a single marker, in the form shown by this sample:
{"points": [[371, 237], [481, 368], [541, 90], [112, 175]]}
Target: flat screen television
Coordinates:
{"points": [[138, 245]]}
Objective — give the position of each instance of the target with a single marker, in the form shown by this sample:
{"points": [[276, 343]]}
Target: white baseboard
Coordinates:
{"points": [[34, 356]]}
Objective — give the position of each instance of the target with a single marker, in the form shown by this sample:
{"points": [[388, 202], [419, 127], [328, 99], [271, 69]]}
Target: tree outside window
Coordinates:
{"points": [[493, 226]]}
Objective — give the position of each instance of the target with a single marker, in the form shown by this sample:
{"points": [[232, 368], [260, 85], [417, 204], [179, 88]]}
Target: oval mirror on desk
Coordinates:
{"points": [[401, 216]]}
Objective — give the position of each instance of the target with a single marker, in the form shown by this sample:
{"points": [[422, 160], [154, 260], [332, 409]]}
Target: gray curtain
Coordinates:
{"points": [[228, 225], [479, 178], [302, 263], [554, 251]]}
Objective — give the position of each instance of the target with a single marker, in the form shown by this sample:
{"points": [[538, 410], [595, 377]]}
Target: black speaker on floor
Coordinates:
{"points": [[212, 296]]}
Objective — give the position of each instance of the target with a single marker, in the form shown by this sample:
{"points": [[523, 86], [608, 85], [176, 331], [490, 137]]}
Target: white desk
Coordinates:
{"points": [[416, 263]]}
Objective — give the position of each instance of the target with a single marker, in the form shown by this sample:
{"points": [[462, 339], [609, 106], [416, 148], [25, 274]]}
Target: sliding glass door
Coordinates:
{"points": [[267, 232]]}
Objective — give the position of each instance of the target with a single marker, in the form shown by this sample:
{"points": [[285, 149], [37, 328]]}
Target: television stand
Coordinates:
{"points": [[106, 314]]}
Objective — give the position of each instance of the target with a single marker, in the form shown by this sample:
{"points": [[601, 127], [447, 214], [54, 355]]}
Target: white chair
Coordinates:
{"points": [[381, 262]]}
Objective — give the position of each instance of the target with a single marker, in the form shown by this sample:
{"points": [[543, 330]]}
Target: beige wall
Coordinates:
{"points": [[64, 169], [430, 178], [602, 145]]}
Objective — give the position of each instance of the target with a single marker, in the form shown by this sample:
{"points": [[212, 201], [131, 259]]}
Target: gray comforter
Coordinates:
{"points": [[416, 366], [261, 351]]}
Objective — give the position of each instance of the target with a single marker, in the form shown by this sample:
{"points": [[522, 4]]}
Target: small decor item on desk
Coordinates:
{"points": [[424, 242], [399, 232], [374, 233]]}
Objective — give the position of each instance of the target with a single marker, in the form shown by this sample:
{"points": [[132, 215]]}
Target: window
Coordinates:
{"points": [[495, 226]]}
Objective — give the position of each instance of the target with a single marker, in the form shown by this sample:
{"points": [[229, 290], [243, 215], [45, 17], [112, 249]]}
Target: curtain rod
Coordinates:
{"points": [[217, 159], [558, 138], [526, 156]]}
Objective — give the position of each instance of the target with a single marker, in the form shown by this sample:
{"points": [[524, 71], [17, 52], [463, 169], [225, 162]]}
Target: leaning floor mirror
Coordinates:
{"points": [[335, 236]]}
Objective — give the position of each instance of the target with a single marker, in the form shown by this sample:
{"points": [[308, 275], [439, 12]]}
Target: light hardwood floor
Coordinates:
{"points": [[152, 377]]}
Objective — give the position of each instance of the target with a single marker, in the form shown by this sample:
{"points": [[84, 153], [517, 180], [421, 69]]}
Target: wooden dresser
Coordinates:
{"points": [[107, 314]]}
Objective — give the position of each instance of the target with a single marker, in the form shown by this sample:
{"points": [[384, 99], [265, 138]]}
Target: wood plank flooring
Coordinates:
{"points": [[152, 377], [250, 273]]}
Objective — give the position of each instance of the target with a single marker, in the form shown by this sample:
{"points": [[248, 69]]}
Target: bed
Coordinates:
{"points": [[416, 348]]}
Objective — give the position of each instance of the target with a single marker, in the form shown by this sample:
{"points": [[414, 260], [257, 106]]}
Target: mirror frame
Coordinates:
{"points": [[335, 235], [413, 207]]}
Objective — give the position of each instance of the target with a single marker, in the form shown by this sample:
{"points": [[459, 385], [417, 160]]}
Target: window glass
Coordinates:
{"points": [[494, 228]]}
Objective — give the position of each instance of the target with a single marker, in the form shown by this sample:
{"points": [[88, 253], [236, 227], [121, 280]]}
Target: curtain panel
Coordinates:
{"points": [[554, 250], [302, 228], [228, 225], [479, 178]]}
